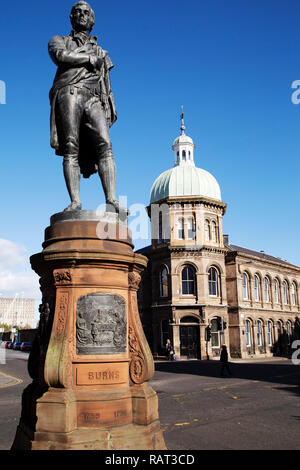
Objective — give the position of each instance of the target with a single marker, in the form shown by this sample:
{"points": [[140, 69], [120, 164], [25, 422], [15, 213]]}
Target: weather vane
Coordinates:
{"points": [[182, 120]]}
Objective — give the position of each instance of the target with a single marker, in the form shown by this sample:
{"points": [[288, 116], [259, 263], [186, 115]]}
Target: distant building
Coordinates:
{"points": [[17, 312], [199, 290]]}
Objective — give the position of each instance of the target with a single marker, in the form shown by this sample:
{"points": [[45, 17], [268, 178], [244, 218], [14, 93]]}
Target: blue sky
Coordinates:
{"points": [[231, 64]]}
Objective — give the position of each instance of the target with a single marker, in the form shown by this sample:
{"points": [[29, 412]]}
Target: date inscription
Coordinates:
{"points": [[100, 414]]}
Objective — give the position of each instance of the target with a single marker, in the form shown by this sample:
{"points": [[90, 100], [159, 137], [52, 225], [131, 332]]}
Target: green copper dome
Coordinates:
{"points": [[185, 180]]}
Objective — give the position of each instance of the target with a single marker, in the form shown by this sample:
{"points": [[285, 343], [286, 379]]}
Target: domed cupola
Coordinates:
{"points": [[183, 147], [184, 179]]}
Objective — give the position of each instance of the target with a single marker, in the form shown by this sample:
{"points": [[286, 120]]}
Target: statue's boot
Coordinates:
{"points": [[107, 173], [72, 178]]}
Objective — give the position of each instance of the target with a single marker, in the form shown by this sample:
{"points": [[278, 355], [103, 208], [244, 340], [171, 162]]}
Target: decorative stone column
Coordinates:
{"points": [[91, 362], [203, 348]]}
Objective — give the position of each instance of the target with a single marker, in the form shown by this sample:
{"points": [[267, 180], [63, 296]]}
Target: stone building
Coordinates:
{"points": [[263, 302], [200, 291], [17, 312]]}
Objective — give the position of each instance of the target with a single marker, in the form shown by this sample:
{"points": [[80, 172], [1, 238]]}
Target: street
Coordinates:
{"points": [[257, 408], [12, 384]]}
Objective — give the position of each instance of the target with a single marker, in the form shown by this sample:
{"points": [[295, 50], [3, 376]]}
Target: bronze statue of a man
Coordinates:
{"points": [[82, 107]]}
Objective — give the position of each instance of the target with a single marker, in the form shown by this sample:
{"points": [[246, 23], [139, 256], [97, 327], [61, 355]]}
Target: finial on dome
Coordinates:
{"points": [[182, 121]]}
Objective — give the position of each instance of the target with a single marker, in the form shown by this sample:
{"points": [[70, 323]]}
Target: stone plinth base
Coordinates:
{"points": [[129, 437], [91, 361]]}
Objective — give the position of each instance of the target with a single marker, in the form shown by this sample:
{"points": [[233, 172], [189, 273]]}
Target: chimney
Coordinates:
{"points": [[226, 240]]}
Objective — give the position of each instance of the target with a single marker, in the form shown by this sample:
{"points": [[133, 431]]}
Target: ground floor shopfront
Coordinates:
{"points": [[246, 333], [187, 330]]}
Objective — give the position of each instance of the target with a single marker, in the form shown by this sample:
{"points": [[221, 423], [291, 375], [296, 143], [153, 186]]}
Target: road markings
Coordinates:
{"points": [[12, 381]]}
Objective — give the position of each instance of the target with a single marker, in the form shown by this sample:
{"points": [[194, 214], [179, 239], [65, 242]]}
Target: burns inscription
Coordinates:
{"points": [[101, 324]]}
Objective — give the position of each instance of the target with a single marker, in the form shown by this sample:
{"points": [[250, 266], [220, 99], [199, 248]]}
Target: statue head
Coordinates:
{"points": [[82, 17]]}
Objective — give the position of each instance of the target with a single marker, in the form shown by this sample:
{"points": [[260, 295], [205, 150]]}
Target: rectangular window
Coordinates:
{"points": [[215, 340], [288, 332], [269, 333], [191, 231], [259, 334], [188, 281], [276, 293], [213, 288], [215, 333], [245, 287], [267, 296], [285, 295], [293, 294], [181, 229], [247, 333], [213, 281], [256, 288], [188, 287]]}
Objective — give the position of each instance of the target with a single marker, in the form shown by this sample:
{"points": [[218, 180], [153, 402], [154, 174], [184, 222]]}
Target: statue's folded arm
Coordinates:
{"points": [[60, 55]]}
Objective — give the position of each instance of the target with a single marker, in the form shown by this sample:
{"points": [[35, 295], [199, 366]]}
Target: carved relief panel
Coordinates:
{"points": [[101, 324]]}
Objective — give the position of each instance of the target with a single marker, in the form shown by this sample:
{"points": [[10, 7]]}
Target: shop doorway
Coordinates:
{"points": [[189, 342]]}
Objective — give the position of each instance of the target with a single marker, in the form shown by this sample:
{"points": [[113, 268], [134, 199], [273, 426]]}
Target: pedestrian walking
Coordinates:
{"points": [[170, 350], [224, 361]]}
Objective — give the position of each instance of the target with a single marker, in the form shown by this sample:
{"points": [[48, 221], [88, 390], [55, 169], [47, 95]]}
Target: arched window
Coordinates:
{"points": [[256, 288], [183, 155], [293, 294], [285, 292], [245, 287], [269, 330], [214, 235], [276, 291], [248, 332], [288, 332], [207, 230], [181, 229], [279, 329], [267, 289], [191, 229], [188, 280], [163, 283], [213, 282], [259, 333]]}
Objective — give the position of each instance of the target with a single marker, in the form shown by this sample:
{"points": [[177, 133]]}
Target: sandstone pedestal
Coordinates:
{"points": [[90, 362]]}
